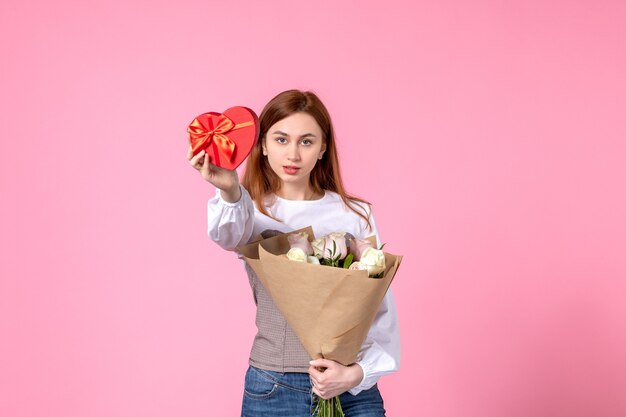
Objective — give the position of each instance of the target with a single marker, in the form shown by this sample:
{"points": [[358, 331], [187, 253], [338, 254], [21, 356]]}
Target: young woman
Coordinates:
{"points": [[292, 180]]}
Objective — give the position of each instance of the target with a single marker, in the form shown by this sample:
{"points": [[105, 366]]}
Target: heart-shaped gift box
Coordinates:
{"points": [[226, 137]]}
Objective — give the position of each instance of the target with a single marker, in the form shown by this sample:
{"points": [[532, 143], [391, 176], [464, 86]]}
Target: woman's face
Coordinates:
{"points": [[293, 146]]}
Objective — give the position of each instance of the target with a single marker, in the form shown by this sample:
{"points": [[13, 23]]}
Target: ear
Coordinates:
{"points": [[263, 148], [322, 151]]}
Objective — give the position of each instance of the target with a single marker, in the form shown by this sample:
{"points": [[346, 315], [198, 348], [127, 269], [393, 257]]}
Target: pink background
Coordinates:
{"points": [[490, 137]]}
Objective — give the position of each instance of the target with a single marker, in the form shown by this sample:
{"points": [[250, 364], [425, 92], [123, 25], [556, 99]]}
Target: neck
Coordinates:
{"points": [[296, 192]]}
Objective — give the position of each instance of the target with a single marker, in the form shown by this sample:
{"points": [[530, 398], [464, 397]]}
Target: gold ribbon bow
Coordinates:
{"points": [[204, 134]]}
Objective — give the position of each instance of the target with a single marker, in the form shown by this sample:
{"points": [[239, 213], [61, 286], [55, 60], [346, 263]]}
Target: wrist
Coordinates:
{"points": [[357, 374], [231, 195]]}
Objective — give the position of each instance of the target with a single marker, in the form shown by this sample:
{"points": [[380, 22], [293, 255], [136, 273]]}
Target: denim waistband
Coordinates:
{"points": [[297, 381]]}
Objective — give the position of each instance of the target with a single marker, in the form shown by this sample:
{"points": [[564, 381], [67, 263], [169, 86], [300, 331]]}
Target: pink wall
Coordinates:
{"points": [[490, 138]]}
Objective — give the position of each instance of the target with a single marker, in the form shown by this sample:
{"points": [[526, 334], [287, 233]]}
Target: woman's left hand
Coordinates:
{"points": [[336, 379]]}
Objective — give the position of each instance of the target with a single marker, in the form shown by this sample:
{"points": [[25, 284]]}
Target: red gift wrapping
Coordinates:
{"points": [[226, 137]]}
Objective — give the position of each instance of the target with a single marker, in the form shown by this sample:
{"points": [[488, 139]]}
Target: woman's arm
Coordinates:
{"points": [[230, 224], [380, 352], [231, 211]]}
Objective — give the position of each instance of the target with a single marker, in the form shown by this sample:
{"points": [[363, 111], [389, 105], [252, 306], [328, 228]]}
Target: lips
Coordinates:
{"points": [[291, 170]]}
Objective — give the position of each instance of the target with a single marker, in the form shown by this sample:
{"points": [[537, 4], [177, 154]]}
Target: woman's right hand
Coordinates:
{"points": [[226, 180]]}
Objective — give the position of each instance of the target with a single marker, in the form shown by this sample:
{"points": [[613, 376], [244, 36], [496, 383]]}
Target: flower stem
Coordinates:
{"points": [[328, 408]]}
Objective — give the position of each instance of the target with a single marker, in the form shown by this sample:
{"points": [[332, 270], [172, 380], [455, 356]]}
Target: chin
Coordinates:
{"points": [[290, 179]]}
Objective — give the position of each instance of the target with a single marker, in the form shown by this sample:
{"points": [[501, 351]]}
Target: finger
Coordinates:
{"points": [[322, 363], [322, 394], [194, 161], [190, 154], [315, 374], [317, 392], [193, 157], [314, 380], [206, 165]]}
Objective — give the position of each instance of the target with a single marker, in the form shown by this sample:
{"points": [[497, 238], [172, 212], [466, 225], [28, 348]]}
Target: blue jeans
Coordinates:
{"points": [[276, 394]]}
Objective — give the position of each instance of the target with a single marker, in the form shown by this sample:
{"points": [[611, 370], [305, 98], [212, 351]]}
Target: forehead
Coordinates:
{"points": [[297, 124]]}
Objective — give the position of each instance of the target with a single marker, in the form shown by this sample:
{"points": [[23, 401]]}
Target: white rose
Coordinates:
{"points": [[296, 254], [374, 261], [318, 247], [313, 260]]}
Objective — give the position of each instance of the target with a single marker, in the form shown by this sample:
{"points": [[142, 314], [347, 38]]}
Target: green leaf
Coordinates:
{"points": [[381, 248], [348, 261]]}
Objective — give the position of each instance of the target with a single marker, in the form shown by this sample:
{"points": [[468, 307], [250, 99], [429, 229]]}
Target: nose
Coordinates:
{"points": [[294, 152]]}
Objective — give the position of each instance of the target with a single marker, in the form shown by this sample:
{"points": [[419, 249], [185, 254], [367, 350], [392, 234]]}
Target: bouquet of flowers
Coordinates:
{"points": [[328, 289], [338, 249]]}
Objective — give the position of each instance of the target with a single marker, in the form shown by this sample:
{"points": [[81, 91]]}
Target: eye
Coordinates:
{"points": [[281, 140], [306, 142]]}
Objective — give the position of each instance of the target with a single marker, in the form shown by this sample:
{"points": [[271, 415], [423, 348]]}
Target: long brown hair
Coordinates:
{"points": [[259, 178]]}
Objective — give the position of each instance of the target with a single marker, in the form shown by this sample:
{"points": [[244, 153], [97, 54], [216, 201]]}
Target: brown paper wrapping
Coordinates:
{"points": [[330, 309]]}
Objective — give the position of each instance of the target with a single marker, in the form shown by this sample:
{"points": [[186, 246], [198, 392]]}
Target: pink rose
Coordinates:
{"points": [[357, 266], [334, 245], [300, 241], [358, 246]]}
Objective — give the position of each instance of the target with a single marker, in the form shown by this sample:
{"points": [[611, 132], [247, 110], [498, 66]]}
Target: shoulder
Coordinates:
{"points": [[360, 210], [362, 206], [353, 204], [365, 217]]}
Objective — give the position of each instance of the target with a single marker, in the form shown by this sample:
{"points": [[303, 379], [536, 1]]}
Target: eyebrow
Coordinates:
{"points": [[278, 132]]}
